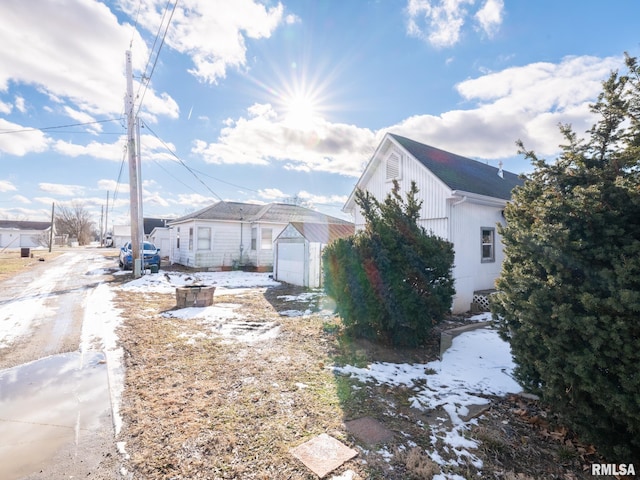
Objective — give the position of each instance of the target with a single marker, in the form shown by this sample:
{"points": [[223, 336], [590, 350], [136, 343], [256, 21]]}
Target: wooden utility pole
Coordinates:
{"points": [[53, 206], [134, 196], [106, 218]]}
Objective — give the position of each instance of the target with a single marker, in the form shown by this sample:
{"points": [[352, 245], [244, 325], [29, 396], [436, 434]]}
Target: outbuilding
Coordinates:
{"points": [[297, 253]]}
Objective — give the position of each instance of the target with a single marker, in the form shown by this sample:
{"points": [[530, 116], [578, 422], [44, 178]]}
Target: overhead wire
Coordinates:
{"points": [[175, 155], [146, 78], [34, 129]]}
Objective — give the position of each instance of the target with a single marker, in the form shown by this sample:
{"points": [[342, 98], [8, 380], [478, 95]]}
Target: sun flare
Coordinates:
{"points": [[301, 110]]}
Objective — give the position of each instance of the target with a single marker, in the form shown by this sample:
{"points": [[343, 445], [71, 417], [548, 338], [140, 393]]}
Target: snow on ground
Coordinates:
{"points": [[478, 363], [223, 321], [227, 282]]}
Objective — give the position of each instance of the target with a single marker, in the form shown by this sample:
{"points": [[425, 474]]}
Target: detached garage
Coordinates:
{"points": [[298, 250]]}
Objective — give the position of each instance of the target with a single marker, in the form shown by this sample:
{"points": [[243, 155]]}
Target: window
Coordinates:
{"points": [[266, 240], [204, 238], [178, 239], [488, 244], [393, 166], [254, 238], [191, 238]]}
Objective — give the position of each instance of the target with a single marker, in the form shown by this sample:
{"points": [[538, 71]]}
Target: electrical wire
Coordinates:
{"points": [[22, 130], [182, 163], [147, 79]]}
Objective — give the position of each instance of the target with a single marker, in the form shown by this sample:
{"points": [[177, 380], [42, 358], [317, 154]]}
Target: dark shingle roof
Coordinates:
{"points": [[461, 173], [24, 225], [324, 232], [250, 212], [151, 223]]}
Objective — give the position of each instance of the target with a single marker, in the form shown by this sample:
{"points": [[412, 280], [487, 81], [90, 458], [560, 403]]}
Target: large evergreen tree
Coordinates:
{"points": [[569, 292], [393, 281]]}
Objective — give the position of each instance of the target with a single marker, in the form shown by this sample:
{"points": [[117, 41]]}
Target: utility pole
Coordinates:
{"points": [[134, 197], [102, 226], [53, 206], [106, 218]]}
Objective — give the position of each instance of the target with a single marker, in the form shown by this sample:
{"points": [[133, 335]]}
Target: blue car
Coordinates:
{"points": [[150, 253]]}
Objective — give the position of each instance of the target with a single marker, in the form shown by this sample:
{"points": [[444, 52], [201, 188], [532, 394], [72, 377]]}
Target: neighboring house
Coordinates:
{"points": [[298, 251], [463, 201], [153, 227], [233, 234], [20, 234]]}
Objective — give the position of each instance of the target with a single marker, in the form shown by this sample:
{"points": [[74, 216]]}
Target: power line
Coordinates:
{"points": [[34, 129], [147, 79], [182, 163]]}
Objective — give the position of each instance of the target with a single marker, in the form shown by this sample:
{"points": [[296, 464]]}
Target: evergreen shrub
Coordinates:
{"points": [[392, 282], [569, 291]]}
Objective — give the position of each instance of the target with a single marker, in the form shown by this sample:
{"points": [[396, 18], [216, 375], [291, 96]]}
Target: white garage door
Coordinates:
{"points": [[291, 263]]}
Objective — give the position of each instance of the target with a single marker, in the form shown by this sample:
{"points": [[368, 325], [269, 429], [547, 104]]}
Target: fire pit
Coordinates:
{"points": [[194, 296]]}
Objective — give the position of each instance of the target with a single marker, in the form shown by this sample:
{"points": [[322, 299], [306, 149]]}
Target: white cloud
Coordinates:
{"points": [[441, 22], [61, 189], [265, 136], [5, 108], [272, 194], [20, 104], [195, 200], [525, 103], [19, 140], [152, 149], [322, 199], [490, 16], [39, 41], [7, 186], [210, 32], [21, 199]]}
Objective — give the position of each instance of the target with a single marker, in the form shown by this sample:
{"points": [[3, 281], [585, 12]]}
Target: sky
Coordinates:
{"points": [[262, 101]]}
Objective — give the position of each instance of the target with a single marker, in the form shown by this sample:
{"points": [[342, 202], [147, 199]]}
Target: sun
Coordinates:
{"points": [[300, 110]]}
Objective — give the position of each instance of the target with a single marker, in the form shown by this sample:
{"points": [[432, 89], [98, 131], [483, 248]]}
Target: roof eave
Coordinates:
{"points": [[478, 199]]}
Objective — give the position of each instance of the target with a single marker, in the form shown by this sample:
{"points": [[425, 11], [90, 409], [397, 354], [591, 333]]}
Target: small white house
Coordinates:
{"points": [[22, 234], [233, 234], [463, 202], [297, 255]]}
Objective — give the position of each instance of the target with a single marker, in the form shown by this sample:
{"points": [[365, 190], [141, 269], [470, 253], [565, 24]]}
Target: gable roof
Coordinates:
{"points": [[324, 232], [150, 223], [461, 173], [269, 213], [24, 225]]}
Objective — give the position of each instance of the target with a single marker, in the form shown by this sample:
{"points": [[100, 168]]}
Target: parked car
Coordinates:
{"points": [[150, 253]]}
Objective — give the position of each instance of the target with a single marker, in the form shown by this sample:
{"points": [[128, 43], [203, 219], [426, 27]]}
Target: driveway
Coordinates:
{"points": [[55, 409]]}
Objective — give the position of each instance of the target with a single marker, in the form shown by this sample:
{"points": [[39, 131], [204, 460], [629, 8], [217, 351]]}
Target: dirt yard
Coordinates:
{"points": [[228, 400]]}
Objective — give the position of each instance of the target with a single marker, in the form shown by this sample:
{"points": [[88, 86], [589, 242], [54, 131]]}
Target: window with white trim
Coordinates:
{"points": [[393, 166], [266, 239], [190, 238], [488, 244], [204, 238], [254, 238]]}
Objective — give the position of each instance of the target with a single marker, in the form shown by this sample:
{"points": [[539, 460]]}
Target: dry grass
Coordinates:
{"points": [[197, 406], [12, 263], [202, 406]]}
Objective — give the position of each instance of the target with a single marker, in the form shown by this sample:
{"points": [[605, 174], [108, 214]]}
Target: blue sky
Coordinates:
{"points": [[266, 100]]}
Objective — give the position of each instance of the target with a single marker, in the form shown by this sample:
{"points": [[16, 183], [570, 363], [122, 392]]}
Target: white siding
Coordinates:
{"points": [[434, 194], [470, 272]]}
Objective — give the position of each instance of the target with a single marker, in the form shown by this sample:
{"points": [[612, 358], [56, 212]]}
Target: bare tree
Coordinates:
{"points": [[74, 221]]}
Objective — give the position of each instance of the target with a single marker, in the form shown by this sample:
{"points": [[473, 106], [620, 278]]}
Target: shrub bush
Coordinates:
{"points": [[393, 281], [569, 291]]}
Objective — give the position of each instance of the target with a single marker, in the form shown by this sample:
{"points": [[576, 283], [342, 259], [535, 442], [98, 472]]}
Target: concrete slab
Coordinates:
{"points": [[369, 430], [446, 337], [323, 454]]}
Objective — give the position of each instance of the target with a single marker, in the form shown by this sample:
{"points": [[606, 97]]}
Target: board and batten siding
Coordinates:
{"points": [[434, 194], [470, 272]]}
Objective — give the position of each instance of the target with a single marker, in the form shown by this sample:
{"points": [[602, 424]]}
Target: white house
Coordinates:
{"points": [[463, 201], [17, 233], [297, 253], [155, 230], [234, 234]]}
